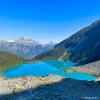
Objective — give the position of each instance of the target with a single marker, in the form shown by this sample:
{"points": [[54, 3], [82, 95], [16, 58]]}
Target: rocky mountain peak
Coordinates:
{"points": [[22, 40], [3, 41], [26, 48]]}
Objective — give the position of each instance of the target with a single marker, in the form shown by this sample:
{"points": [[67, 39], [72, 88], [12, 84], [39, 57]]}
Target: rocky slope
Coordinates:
{"points": [[48, 88], [25, 48], [82, 47], [91, 68]]}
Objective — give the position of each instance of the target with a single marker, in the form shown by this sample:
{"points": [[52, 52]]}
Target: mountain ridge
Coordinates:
{"points": [[82, 47], [26, 48]]}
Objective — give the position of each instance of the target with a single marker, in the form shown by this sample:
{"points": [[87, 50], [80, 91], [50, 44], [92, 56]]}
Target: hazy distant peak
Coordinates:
{"points": [[50, 43], [26, 48], [3, 41], [22, 40]]}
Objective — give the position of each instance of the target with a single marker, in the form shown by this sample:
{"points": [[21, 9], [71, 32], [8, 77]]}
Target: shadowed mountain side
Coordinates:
{"points": [[82, 47], [66, 89]]}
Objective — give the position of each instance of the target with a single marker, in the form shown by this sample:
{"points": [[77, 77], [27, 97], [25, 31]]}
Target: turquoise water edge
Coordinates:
{"points": [[44, 68]]}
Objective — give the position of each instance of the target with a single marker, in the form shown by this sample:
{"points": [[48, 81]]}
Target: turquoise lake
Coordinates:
{"points": [[44, 68]]}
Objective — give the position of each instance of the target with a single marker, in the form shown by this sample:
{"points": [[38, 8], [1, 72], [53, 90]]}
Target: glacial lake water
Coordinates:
{"points": [[44, 68]]}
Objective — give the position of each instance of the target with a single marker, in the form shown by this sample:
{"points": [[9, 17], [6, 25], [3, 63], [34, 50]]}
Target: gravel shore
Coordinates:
{"points": [[92, 68], [51, 87]]}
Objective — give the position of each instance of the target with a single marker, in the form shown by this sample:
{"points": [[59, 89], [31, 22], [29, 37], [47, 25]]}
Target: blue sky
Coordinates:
{"points": [[46, 20]]}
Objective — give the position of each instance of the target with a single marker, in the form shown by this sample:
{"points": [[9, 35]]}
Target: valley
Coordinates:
{"points": [[46, 68], [49, 49], [73, 63], [71, 49]]}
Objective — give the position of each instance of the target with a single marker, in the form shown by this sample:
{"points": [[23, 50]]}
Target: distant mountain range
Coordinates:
{"points": [[82, 47], [26, 48]]}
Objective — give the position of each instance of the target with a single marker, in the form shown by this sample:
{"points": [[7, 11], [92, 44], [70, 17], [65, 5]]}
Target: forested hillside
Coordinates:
{"points": [[8, 60]]}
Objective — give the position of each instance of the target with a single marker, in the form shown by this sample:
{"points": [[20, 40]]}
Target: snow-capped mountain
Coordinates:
{"points": [[50, 44], [26, 48], [26, 41]]}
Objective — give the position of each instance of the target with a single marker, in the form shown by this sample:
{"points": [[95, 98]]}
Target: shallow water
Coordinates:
{"points": [[45, 68]]}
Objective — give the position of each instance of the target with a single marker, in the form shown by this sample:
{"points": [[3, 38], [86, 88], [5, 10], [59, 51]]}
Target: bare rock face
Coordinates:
{"points": [[51, 87]]}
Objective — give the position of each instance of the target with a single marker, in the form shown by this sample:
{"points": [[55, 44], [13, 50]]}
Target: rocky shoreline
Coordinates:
{"points": [[92, 68], [51, 87], [23, 83]]}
